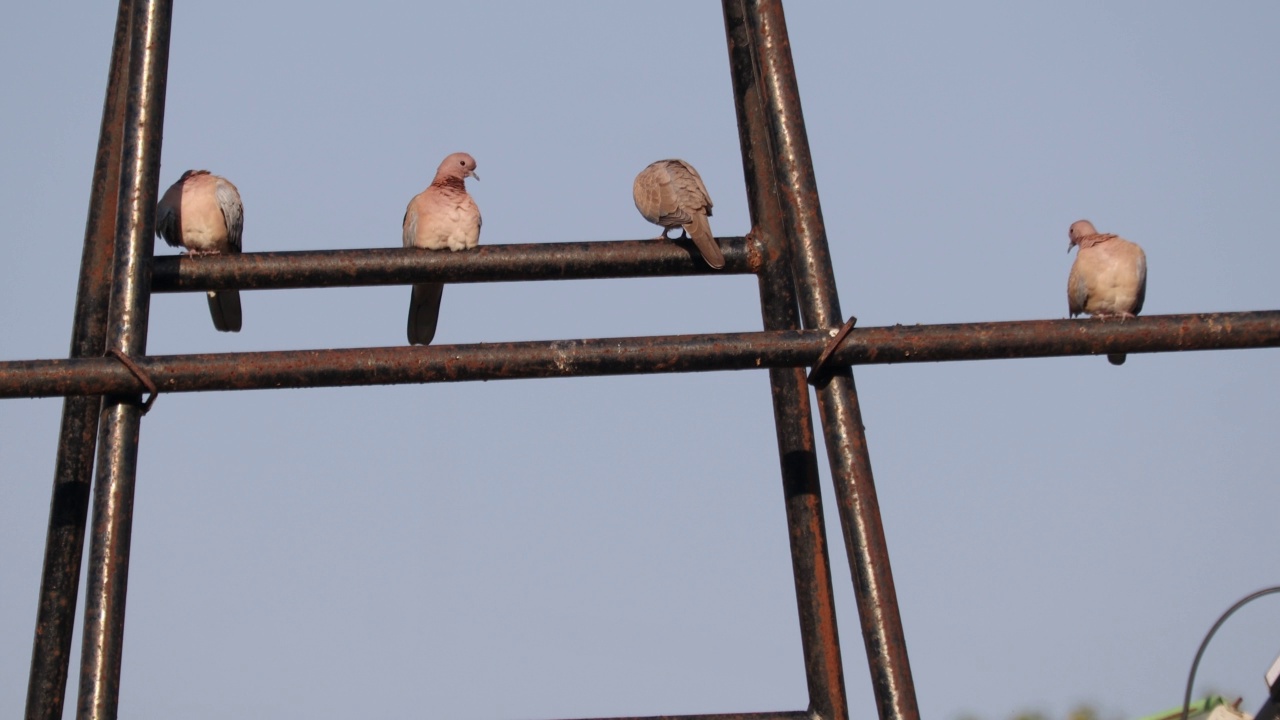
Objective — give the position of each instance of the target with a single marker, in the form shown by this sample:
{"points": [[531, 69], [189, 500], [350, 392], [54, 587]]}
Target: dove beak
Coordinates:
{"points": [[473, 174]]}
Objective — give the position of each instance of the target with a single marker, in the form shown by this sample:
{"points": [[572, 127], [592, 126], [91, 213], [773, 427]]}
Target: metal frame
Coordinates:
{"points": [[786, 249]]}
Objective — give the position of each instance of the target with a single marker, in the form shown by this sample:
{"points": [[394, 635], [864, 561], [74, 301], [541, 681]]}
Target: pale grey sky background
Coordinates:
{"points": [[1061, 530]]}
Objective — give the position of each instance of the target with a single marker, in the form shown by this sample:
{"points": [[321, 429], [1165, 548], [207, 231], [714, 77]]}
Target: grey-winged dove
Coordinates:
{"points": [[442, 216], [670, 193], [202, 212], [1108, 278]]}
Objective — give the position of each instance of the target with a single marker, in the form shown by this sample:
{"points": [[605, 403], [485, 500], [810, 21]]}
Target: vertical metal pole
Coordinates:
{"points": [[837, 398], [127, 333], [792, 414], [73, 468]]}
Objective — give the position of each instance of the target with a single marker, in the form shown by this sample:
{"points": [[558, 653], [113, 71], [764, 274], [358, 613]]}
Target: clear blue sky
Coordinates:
{"points": [[1061, 530]]}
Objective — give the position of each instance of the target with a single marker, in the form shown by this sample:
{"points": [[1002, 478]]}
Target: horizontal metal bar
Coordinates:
{"points": [[793, 715], [487, 263], [642, 355]]}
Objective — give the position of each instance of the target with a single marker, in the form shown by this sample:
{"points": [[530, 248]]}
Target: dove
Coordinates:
{"points": [[670, 193], [442, 216], [202, 212], [1108, 278]]}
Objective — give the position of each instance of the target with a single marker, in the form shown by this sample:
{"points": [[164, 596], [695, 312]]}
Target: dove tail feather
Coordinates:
{"points": [[1116, 358], [700, 230], [224, 306], [424, 312]]}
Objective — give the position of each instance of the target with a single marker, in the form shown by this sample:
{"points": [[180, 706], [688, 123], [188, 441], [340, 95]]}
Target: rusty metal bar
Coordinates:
{"points": [[487, 263], [642, 355], [793, 417], [837, 397], [791, 715], [127, 334], [73, 468]]}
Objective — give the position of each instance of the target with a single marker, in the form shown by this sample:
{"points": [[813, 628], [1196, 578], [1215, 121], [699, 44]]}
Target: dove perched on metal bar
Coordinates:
{"points": [[1108, 278], [442, 216], [202, 212], [670, 193]]}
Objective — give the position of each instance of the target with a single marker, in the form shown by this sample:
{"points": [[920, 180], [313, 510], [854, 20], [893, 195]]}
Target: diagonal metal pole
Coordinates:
{"points": [[127, 334], [73, 468], [793, 418], [837, 396]]}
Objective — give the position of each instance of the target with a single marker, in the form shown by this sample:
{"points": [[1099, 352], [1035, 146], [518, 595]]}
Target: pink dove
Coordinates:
{"points": [[1108, 278], [670, 193], [442, 216], [203, 213]]}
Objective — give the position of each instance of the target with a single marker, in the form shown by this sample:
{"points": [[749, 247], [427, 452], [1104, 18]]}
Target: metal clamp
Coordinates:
{"points": [[838, 338], [142, 376]]}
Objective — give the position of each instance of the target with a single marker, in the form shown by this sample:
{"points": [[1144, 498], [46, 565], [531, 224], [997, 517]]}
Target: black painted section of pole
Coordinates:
{"points": [[108, 573]]}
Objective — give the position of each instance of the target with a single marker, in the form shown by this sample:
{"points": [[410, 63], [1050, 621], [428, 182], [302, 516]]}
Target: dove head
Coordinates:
{"points": [[1080, 230], [457, 167]]}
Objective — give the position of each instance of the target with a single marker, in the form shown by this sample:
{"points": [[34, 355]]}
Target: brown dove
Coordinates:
{"points": [[203, 213], [1108, 278], [670, 193], [442, 216]]}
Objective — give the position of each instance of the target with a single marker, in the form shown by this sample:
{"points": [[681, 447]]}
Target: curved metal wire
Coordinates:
{"points": [[1191, 678]]}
